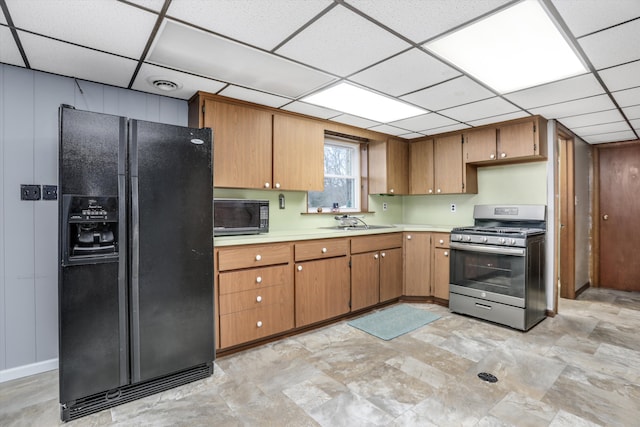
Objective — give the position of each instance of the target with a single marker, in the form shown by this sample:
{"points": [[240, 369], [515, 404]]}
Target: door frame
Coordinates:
{"points": [[565, 217]]}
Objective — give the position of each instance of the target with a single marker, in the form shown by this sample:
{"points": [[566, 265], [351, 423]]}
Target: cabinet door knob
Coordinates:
{"points": [[409, 237], [383, 254], [492, 156], [375, 256], [324, 250], [267, 185], [258, 298], [605, 217], [430, 190], [277, 185], [259, 324], [259, 279], [439, 190], [503, 155], [441, 241], [446, 253], [391, 190], [258, 257], [299, 268]]}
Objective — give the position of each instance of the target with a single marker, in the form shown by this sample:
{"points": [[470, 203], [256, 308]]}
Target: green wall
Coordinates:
{"points": [[524, 183]]}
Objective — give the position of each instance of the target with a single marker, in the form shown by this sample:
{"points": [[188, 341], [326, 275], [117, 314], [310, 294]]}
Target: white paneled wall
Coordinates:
{"points": [[29, 102]]}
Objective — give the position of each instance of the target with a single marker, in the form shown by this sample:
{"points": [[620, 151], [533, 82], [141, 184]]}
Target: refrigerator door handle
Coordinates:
{"points": [[123, 297], [135, 255]]}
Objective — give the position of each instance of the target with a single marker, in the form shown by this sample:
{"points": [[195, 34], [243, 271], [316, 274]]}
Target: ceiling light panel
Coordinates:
{"points": [[518, 47], [109, 26], [254, 96], [579, 14], [311, 110], [363, 103], [605, 49], [9, 53], [561, 91], [608, 116], [572, 108], [264, 24], [454, 92], [499, 118], [621, 77], [202, 53], [407, 72], [53, 56], [628, 97], [342, 43], [190, 83], [424, 122], [419, 20], [479, 110]]}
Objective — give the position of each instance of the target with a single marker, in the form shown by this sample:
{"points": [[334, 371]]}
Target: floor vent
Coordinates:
{"points": [[485, 376]]}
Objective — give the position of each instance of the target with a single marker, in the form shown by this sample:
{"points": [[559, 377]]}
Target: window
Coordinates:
{"points": [[341, 178]]}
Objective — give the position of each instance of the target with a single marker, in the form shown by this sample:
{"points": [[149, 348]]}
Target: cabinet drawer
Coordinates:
{"points": [[441, 240], [255, 278], [255, 298], [321, 249], [253, 256], [375, 243], [249, 325]]}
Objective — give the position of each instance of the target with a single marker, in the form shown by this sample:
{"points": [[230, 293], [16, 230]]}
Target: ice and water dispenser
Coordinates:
{"points": [[90, 229]]}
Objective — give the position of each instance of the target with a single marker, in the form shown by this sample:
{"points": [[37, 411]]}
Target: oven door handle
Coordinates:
{"points": [[487, 249]]}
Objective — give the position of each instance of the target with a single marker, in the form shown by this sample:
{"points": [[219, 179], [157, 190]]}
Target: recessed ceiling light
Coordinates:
{"points": [[163, 84], [353, 100], [513, 49]]}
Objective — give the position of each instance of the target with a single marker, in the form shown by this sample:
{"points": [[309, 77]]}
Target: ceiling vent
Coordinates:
{"points": [[165, 85]]}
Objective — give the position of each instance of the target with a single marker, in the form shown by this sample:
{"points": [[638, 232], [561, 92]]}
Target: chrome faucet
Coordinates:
{"points": [[350, 221]]}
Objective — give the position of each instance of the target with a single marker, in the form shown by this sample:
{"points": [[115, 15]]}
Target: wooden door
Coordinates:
{"points": [[517, 140], [479, 146], [298, 154], [421, 167], [619, 217], [390, 274], [441, 273], [417, 264], [241, 145], [365, 280], [448, 164]]}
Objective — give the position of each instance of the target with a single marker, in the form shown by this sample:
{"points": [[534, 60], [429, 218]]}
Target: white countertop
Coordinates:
{"points": [[323, 233]]}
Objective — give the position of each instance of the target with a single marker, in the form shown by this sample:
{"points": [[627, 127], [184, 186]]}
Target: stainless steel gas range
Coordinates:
{"points": [[497, 266]]}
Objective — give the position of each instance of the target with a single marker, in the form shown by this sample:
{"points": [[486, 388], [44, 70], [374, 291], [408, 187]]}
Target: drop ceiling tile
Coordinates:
{"points": [[155, 5], [446, 129], [608, 116], [342, 43], [2, 19], [348, 119], [480, 109], [614, 46], [264, 24], [579, 14], [311, 110], [610, 137], [254, 96], [636, 124], [407, 72], [109, 26], [389, 130], [411, 135], [628, 97], [454, 92], [189, 84], [198, 52], [632, 112], [424, 121], [9, 53], [572, 108], [499, 118], [600, 129], [560, 91], [419, 20], [621, 77], [71, 60]]}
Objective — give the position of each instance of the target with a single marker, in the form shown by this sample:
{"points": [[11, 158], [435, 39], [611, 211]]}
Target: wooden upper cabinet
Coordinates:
{"points": [[421, 167], [447, 153], [523, 140], [388, 167], [479, 145], [241, 144], [298, 154]]}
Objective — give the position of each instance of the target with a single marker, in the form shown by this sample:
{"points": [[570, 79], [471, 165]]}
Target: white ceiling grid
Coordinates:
{"points": [[276, 52]]}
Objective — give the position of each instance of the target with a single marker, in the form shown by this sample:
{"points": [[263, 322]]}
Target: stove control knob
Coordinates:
{"points": [[503, 241], [513, 241], [484, 239], [467, 238]]}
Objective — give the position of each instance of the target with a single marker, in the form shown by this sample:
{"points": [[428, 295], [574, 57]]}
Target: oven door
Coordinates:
{"points": [[493, 273]]}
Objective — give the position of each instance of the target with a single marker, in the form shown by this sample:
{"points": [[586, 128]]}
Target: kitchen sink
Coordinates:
{"points": [[357, 227]]}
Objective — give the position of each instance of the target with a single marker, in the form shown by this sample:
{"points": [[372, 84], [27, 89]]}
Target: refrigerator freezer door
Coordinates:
{"points": [[172, 248]]}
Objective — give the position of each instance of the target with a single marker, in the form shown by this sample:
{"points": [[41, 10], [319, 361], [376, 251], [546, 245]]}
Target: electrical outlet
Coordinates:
{"points": [[453, 207], [49, 192], [385, 206], [29, 192]]}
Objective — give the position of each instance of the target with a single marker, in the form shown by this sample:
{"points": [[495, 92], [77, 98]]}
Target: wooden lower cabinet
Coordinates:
{"points": [[440, 265], [390, 274], [417, 264], [322, 289], [365, 280]]}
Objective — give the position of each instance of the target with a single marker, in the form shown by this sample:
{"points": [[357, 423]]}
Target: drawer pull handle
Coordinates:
{"points": [[258, 298], [259, 324], [299, 268], [409, 237], [486, 307], [383, 255], [441, 241], [324, 250], [446, 253], [258, 279], [258, 257]]}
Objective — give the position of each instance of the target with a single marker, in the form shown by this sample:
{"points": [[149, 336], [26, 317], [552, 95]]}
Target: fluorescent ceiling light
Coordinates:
{"points": [[363, 103], [516, 48]]}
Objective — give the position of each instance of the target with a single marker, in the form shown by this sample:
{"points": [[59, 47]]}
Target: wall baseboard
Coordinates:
{"points": [[26, 370], [582, 289]]}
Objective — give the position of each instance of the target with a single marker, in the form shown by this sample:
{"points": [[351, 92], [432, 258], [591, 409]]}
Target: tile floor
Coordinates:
{"points": [[580, 368]]}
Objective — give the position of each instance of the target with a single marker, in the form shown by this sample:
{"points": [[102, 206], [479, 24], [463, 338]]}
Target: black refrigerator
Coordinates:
{"points": [[136, 259]]}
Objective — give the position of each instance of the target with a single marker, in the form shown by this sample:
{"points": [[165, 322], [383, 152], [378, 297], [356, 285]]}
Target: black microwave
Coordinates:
{"points": [[240, 216]]}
